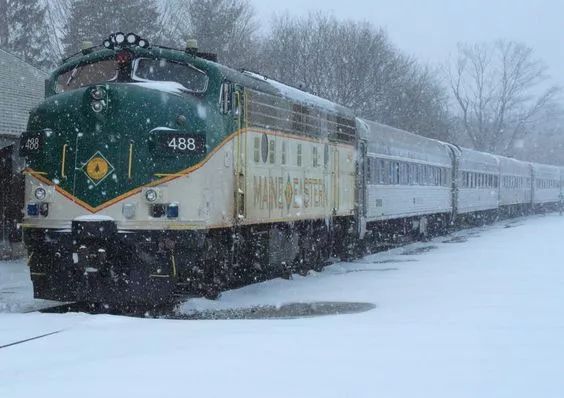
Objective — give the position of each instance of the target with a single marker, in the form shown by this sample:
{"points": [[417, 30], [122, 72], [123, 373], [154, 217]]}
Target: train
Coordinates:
{"points": [[153, 171]]}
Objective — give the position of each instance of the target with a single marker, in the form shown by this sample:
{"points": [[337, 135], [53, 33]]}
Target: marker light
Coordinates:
{"points": [[132, 38], [32, 209], [172, 210], [40, 193], [98, 93], [151, 195], [97, 106], [123, 57], [107, 43], [120, 38], [143, 43], [157, 211]]}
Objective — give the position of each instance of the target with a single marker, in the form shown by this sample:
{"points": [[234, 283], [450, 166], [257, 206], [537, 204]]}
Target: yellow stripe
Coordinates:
{"points": [[33, 173], [169, 175]]}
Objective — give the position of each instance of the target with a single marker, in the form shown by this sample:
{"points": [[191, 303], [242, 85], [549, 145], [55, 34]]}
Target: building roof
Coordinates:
{"points": [[21, 88]]}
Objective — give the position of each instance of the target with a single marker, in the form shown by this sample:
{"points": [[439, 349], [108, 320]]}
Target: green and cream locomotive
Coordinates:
{"points": [[153, 170]]}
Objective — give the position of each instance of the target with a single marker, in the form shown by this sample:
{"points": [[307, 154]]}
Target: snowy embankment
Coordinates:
{"points": [[477, 315], [16, 290]]}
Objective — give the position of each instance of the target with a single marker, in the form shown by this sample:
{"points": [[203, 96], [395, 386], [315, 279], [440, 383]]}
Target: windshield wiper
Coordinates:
{"points": [[73, 75]]}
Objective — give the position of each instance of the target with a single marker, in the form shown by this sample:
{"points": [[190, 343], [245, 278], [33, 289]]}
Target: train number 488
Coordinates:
{"points": [[32, 144], [182, 143]]}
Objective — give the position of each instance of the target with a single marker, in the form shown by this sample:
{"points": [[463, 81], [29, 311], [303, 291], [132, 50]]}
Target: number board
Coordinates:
{"points": [[31, 143], [181, 143]]}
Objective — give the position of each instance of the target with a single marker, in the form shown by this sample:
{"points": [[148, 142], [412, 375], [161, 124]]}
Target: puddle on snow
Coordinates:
{"points": [[348, 271], [456, 239], [512, 225], [394, 260], [286, 311], [418, 250]]}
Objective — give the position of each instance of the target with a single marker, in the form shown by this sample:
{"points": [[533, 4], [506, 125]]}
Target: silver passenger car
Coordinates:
{"points": [[515, 182], [546, 188], [477, 180], [407, 175]]}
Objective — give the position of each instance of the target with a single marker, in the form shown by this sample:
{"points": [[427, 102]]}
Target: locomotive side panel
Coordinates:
{"points": [[291, 178]]}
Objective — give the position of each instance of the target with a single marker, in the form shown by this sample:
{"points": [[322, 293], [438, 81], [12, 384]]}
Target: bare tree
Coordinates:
{"points": [[498, 91], [355, 65]]}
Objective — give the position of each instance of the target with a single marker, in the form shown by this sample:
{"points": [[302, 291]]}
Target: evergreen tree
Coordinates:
{"points": [[23, 31], [96, 20]]}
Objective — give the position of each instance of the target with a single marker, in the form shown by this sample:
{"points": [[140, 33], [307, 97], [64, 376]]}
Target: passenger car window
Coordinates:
{"points": [[162, 70]]}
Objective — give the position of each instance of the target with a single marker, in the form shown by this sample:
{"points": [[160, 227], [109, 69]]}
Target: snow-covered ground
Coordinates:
{"points": [[477, 315]]}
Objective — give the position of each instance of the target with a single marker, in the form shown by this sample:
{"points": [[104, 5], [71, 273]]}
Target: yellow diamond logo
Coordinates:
{"points": [[97, 168], [289, 193]]}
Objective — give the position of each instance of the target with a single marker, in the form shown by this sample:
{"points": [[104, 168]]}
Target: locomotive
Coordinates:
{"points": [[152, 171]]}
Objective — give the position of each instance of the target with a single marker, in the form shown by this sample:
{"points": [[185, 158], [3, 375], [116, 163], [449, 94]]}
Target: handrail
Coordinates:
{"points": [[130, 163], [63, 161]]}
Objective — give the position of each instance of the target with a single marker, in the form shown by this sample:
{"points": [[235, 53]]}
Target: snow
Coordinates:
{"points": [[94, 218], [294, 93], [165, 87], [477, 314], [16, 291]]}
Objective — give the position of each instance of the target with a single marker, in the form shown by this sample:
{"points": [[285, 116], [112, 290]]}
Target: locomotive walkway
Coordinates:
{"points": [[475, 314]]}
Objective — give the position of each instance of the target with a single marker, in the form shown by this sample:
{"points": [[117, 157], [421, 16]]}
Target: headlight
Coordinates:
{"points": [[98, 93], [131, 38], [97, 106], [151, 195], [40, 193], [120, 38]]}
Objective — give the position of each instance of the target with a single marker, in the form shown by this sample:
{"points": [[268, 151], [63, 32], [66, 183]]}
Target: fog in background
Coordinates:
{"points": [[431, 29], [483, 74]]}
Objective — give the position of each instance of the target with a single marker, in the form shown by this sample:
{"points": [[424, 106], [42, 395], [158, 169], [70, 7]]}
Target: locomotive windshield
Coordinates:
{"points": [[168, 71], [145, 69], [87, 75]]}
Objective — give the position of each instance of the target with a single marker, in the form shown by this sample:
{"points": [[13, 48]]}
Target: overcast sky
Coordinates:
{"points": [[430, 29]]}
